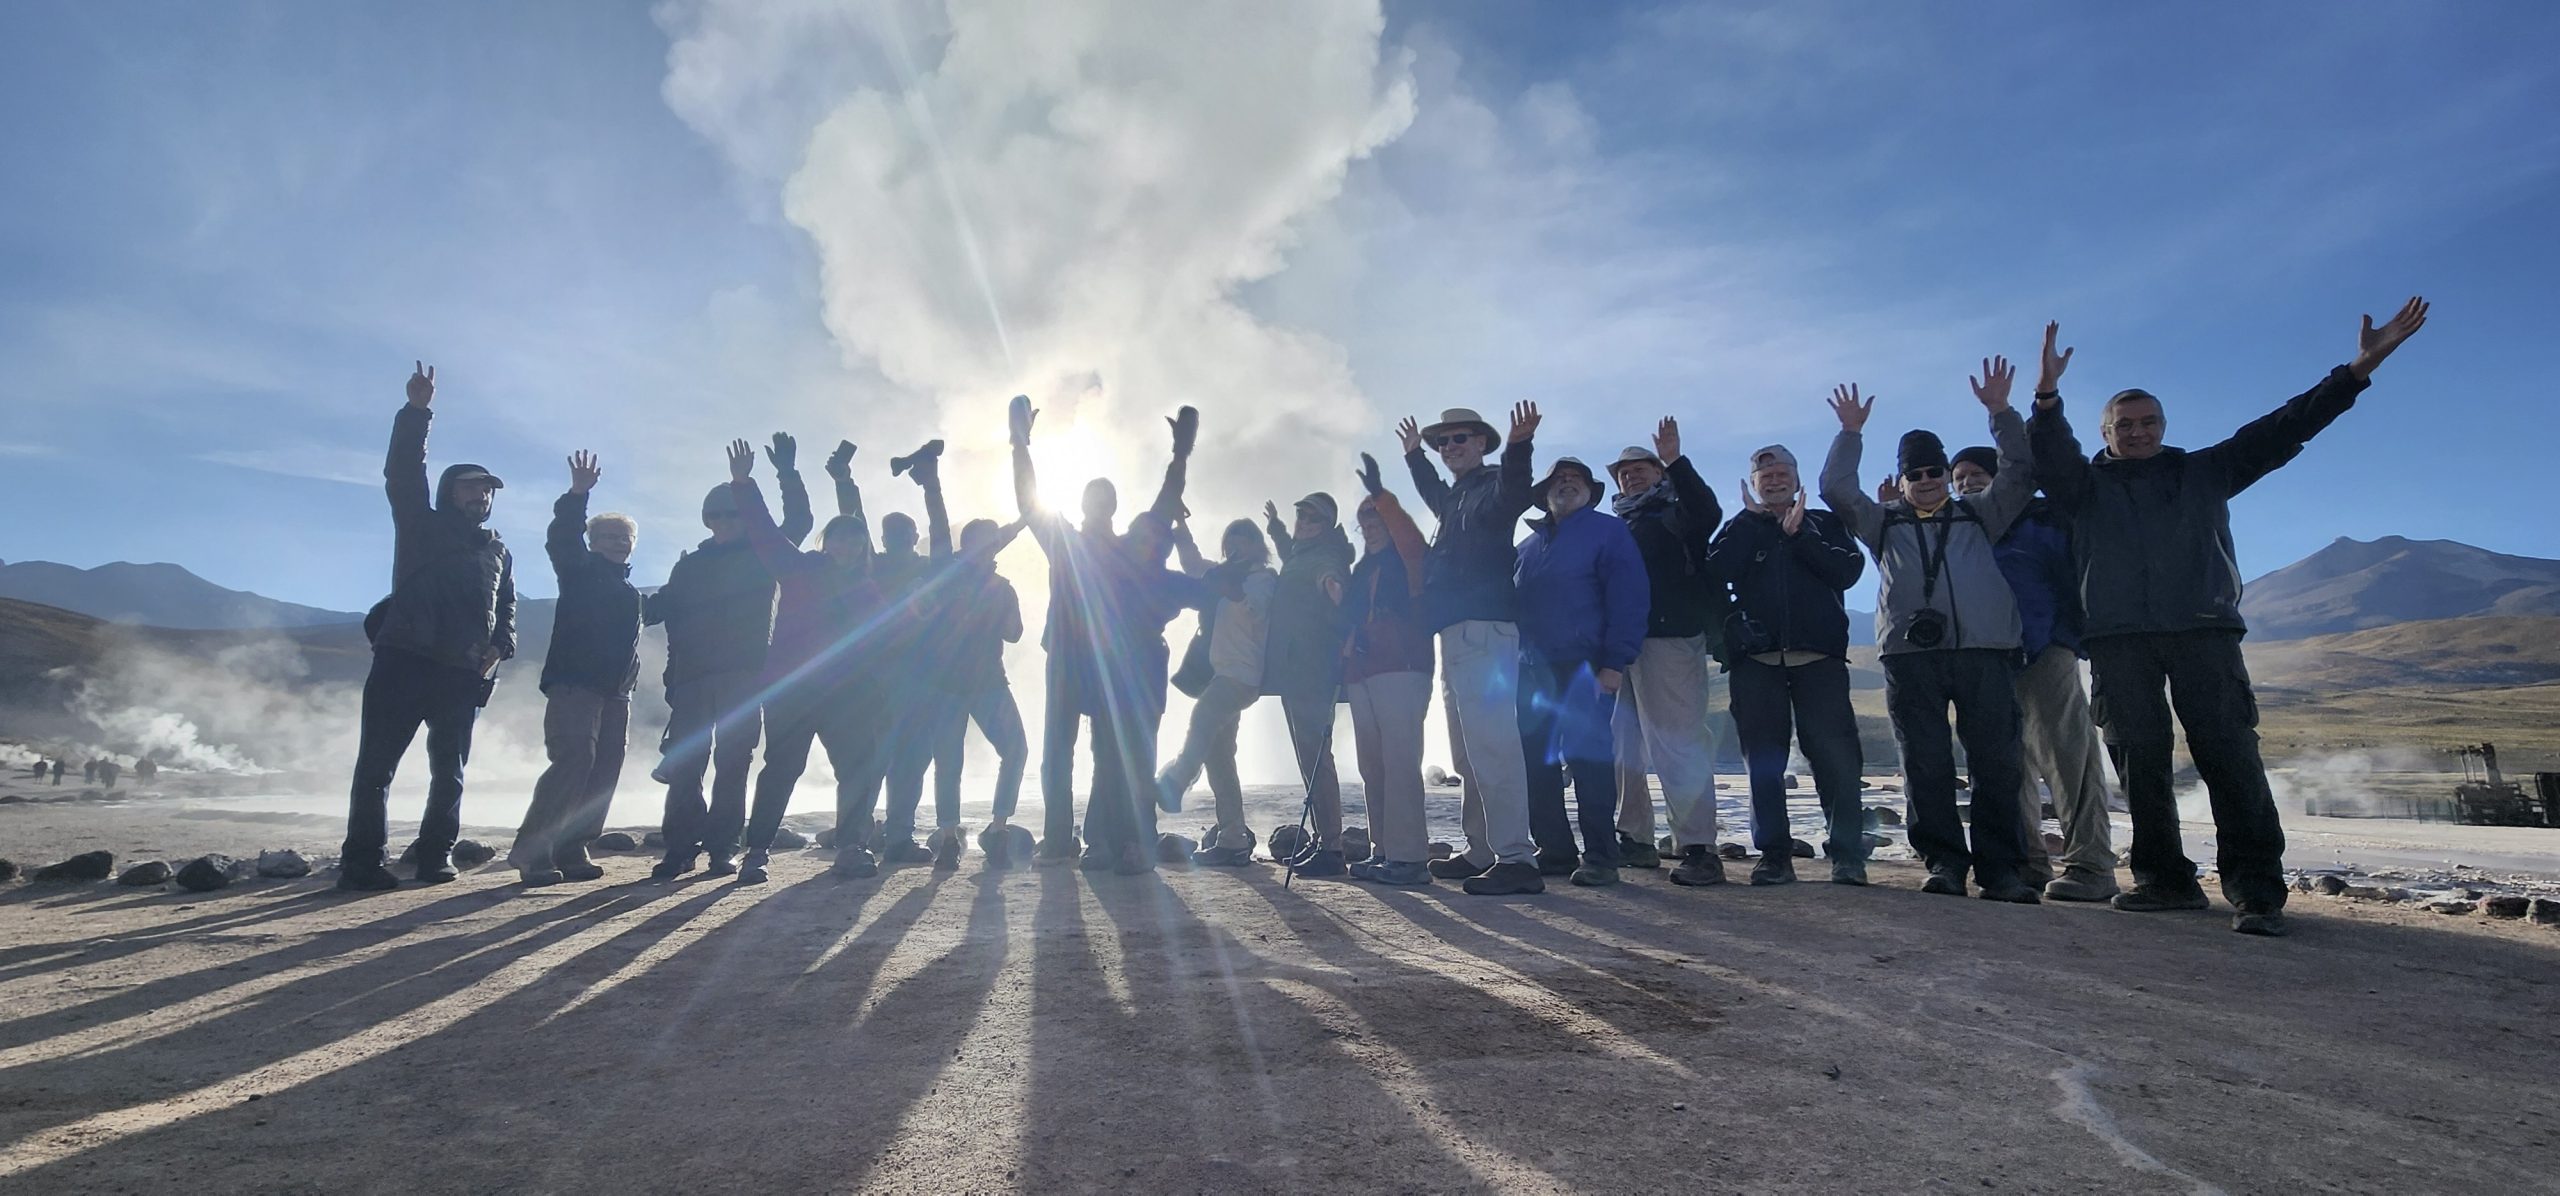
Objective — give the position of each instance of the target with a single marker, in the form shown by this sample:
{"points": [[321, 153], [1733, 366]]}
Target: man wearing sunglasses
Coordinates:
{"points": [[2151, 537], [1947, 629]]}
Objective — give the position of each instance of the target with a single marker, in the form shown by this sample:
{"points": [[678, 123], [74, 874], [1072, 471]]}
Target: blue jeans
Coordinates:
{"points": [[1564, 728]]}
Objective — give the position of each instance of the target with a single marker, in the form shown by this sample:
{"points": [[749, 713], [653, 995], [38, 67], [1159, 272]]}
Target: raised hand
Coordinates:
{"points": [[1410, 433], [1368, 474], [1993, 386], [1018, 418], [1750, 498], [2049, 375], [785, 453], [840, 462], [1524, 422], [2372, 344], [1186, 430], [1271, 512], [422, 383], [1888, 490], [1793, 521], [1666, 441], [583, 472], [742, 460], [1852, 410]]}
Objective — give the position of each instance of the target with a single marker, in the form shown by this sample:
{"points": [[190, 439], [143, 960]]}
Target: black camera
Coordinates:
{"points": [[1928, 629], [1746, 636]]}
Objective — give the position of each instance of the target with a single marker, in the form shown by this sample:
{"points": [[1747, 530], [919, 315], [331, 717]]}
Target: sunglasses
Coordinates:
{"points": [[1926, 473], [1444, 441]]}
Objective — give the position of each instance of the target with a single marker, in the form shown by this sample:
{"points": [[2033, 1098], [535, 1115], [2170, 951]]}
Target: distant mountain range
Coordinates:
{"points": [[2352, 585], [156, 596]]}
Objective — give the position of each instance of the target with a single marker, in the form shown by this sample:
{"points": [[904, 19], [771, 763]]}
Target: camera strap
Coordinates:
{"points": [[1936, 558]]}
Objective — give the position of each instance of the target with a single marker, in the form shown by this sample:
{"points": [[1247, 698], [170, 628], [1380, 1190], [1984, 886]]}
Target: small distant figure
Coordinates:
{"points": [[89, 771], [57, 772], [108, 771], [146, 770]]}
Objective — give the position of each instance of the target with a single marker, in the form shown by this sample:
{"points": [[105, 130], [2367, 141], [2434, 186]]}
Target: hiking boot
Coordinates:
{"points": [[2077, 885], [1599, 876], [1055, 852], [720, 863], [905, 851], [2259, 918], [855, 864], [751, 870], [2016, 892], [1849, 872], [1222, 857], [1133, 861], [1398, 872], [1775, 868], [435, 869], [1558, 864], [1458, 867], [1699, 867], [366, 878], [1946, 882], [534, 876], [946, 850], [673, 866], [578, 868], [1505, 879], [1636, 853], [2037, 877], [1321, 864], [2152, 899]]}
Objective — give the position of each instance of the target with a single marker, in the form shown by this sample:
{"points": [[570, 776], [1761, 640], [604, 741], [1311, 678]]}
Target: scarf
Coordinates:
{"points": [[1629, 505]]}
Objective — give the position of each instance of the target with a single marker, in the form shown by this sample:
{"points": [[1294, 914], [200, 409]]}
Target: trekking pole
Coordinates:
{"points": [[1307, 809]]}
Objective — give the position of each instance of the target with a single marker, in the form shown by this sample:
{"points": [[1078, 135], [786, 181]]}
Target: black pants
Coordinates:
{"points": [[912, 735], [2207, 684], [1982, 685], [401, 693], [1061, 720], [712, 719], [1808, 704], [792, 722], [1564, 728], [1122, 812]]}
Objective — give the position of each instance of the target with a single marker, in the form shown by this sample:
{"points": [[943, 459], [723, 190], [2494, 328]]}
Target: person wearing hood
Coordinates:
{"points": [[1469, 604], [1663, 713], [1305, 665], [717, 607], [1787, 659], [1223, 675], [1386, 678], [1089, 569], [1584, 598], [1947, 629], [2160, 586], [587, 679], [822, 678], [437, 642], [2058, 738]]}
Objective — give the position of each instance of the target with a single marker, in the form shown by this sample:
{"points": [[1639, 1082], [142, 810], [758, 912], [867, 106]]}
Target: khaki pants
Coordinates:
{"points": [[1210, 746], [584, 732], [2062, 747], [1386, 730], [1665, 725], [1479, 683]]}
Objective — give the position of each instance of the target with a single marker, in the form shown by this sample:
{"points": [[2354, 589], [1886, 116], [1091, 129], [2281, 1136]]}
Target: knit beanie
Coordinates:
{"points": [[1920, 449], [1982, 456]]}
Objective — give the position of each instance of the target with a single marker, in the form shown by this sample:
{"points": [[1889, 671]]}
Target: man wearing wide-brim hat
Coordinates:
{"points": [[1663, 713], [1468, 603]]}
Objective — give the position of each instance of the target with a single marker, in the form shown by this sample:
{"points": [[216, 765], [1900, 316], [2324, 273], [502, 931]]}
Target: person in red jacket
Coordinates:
{"points": [[1386, 676]]}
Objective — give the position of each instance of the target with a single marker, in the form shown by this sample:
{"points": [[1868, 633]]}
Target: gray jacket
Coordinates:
{"points": [[1971, 595]]}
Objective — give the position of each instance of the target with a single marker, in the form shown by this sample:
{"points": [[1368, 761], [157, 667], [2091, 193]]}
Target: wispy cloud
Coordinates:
{"points": [[316, 462]]}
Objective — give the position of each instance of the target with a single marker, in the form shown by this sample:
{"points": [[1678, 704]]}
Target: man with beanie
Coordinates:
{"points": [[1236, 627], [1787, 654], [2151, 538], [1947, 629], [1468, 603], [2060, 742], [1386, 676], [1662, 714], [1305, 666], [1583, 598], [437, 641], [586, 683], [717, 607]]}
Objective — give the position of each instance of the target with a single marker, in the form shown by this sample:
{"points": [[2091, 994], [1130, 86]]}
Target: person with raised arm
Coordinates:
{"points": [[918, 718], [587, 679], [1235, 629], [1663, 713], [1468, 602], [1947, 630], [1305, 665], [2160, 589], [982, 615], [437, 643], [1386, 677]]}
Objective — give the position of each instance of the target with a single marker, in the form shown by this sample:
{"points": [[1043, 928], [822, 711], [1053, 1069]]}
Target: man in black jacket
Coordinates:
{"points": [[2151, 536], [717, 607], [1787, 649], [587, 678], [437, 640], [1302, 665], [1661, 722]]}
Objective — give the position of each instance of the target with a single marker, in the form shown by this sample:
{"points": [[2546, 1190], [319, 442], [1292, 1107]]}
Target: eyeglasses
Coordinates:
{"points": [[2148, 423], [1452, 438], [1926, 473]]}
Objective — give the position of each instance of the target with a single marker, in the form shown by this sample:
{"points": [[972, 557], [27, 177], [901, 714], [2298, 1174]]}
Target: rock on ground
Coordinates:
{"points": [[284, 864], [613, 841], [205, 873], [145, 874], [471, 853], [787, 839], [2506, 906], [88, 865], [654, 841], [8, 870], [2545, 912]]}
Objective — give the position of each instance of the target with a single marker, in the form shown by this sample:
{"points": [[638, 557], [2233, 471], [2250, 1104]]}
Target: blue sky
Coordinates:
{"points": [[230, 228]]}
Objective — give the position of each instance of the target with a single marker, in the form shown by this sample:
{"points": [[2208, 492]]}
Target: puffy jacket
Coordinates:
{"points": [[717, 605], [1383, 603], [2036, 558], [984, 615], [1673, 536], [453, 584], [1786, 587], [1971, 596], [1307, 627], [595, 631], [830, 622], [2151, 539], [1468, 574], [1583, 592]]}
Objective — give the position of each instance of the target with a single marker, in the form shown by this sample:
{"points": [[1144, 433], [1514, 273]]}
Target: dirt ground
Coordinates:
{"points": [[1215, 1031]]}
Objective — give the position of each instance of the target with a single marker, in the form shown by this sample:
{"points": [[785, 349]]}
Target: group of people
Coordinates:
{"points": [[98, 770], [1578, 657]]}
